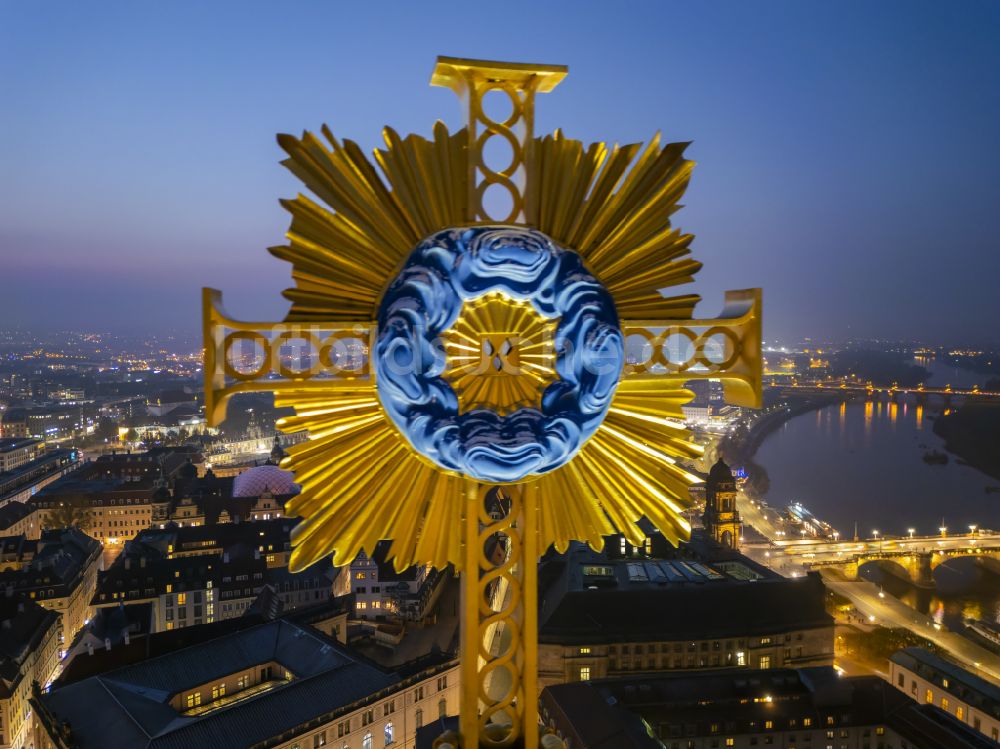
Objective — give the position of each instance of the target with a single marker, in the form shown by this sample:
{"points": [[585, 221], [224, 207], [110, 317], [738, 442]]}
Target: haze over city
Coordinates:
{"points": [[846, 151]]}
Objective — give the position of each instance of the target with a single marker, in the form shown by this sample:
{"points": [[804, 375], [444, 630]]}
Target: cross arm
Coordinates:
{"points": [[246, 357], [727, 348]]}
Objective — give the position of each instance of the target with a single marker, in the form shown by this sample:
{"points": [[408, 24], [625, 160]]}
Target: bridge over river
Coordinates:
{"points": [[912, 558]]}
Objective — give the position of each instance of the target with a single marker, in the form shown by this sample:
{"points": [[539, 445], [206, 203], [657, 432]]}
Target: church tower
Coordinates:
{"points": [[721, 519]]}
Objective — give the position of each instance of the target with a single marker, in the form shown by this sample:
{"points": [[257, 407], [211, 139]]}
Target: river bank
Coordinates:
{"points": [[972, 433]]}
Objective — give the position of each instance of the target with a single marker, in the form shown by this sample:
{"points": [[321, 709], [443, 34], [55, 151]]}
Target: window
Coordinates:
{"points": [[765, 640], [807, 722], [367, 717], [194, 699], [418, 717], [442, 683], [960, 712], [418, 693], [360, 605], [388, 734], [343, 728], [442, 708], [929, 697], [584, 651], [901, 680], [181, 599], [584, 673], [389, 707], [765, 662], [319, 740], [359, 575], [730, 742], [366, 741], [944, 703]]}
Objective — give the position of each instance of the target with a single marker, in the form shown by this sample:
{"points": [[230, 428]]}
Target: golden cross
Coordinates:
{"points": [[609, 204]]}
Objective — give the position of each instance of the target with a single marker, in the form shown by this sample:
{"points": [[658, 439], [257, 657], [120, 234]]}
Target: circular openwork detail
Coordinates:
{"points": [[426, 298]]}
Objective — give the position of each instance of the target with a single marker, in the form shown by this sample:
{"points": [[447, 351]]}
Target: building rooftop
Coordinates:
{"points": [[616, 714], [8, 444], [129, 707], [23, 625], [592, 598]]}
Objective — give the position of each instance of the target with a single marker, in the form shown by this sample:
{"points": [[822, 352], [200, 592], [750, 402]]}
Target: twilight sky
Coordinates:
{"points": [[848, 152]]}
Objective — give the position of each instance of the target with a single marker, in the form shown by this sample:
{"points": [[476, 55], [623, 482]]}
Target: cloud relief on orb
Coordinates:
{"points": [[460, 265]]}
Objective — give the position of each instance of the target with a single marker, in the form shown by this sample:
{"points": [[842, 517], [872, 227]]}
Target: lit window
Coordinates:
{"points": [[366, 741], [388, 734], [929, 697], [584, 673], [944, 703], [584, 651], [741, 658], [181, 599], [960, 712], [765, 662], [730, 742], [360, 605]]}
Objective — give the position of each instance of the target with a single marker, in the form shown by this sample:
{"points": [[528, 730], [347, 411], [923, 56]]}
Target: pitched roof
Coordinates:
{"points": [[129, 707]]}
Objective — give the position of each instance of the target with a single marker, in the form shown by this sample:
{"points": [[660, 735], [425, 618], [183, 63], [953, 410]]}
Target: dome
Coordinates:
{"points": [[720, 471], [266, 478], [188, 471]]}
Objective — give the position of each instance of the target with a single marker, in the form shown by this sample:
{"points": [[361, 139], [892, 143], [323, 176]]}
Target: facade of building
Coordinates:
{"points": [[812, 708], [380, 592], [23, 482], [307, 689], [934, 681], [201, 574], [15, 452], [58, 571], [603, 617], [722, 519], [29, 652]]}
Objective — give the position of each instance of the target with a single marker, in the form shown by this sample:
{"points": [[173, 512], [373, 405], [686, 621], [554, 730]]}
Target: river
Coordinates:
{"points": [[861, 462]]}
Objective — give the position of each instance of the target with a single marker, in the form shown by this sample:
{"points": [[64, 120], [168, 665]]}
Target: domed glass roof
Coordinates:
{"points": [[266, 478]]}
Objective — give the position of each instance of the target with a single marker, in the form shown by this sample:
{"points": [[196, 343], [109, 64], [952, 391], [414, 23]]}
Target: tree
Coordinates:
{"points": [[67, 516]]}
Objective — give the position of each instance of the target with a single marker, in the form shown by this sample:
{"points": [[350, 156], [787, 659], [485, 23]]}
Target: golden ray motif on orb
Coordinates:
{"points": [[500, 354]]}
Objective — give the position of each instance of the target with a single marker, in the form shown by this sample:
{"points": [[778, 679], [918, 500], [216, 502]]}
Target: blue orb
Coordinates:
{"points": [[458, 265]]}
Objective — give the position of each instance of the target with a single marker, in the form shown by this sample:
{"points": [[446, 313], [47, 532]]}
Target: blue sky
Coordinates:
{"points": [[848, 152]]}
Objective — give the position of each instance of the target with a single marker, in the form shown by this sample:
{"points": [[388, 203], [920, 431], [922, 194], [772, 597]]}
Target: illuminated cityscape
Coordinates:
{"points": [[484, 476]]}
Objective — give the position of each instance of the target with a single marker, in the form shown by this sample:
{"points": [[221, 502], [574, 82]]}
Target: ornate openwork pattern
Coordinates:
{"points": [[496, 623], [519, 85]]}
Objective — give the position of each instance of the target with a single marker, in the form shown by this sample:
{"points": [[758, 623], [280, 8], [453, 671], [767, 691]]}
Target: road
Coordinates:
{"points": [[890, 612]]}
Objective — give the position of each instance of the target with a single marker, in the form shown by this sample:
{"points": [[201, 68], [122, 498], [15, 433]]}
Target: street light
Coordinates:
{"points": [[911, 531], [944, 531], [972, 529]]}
